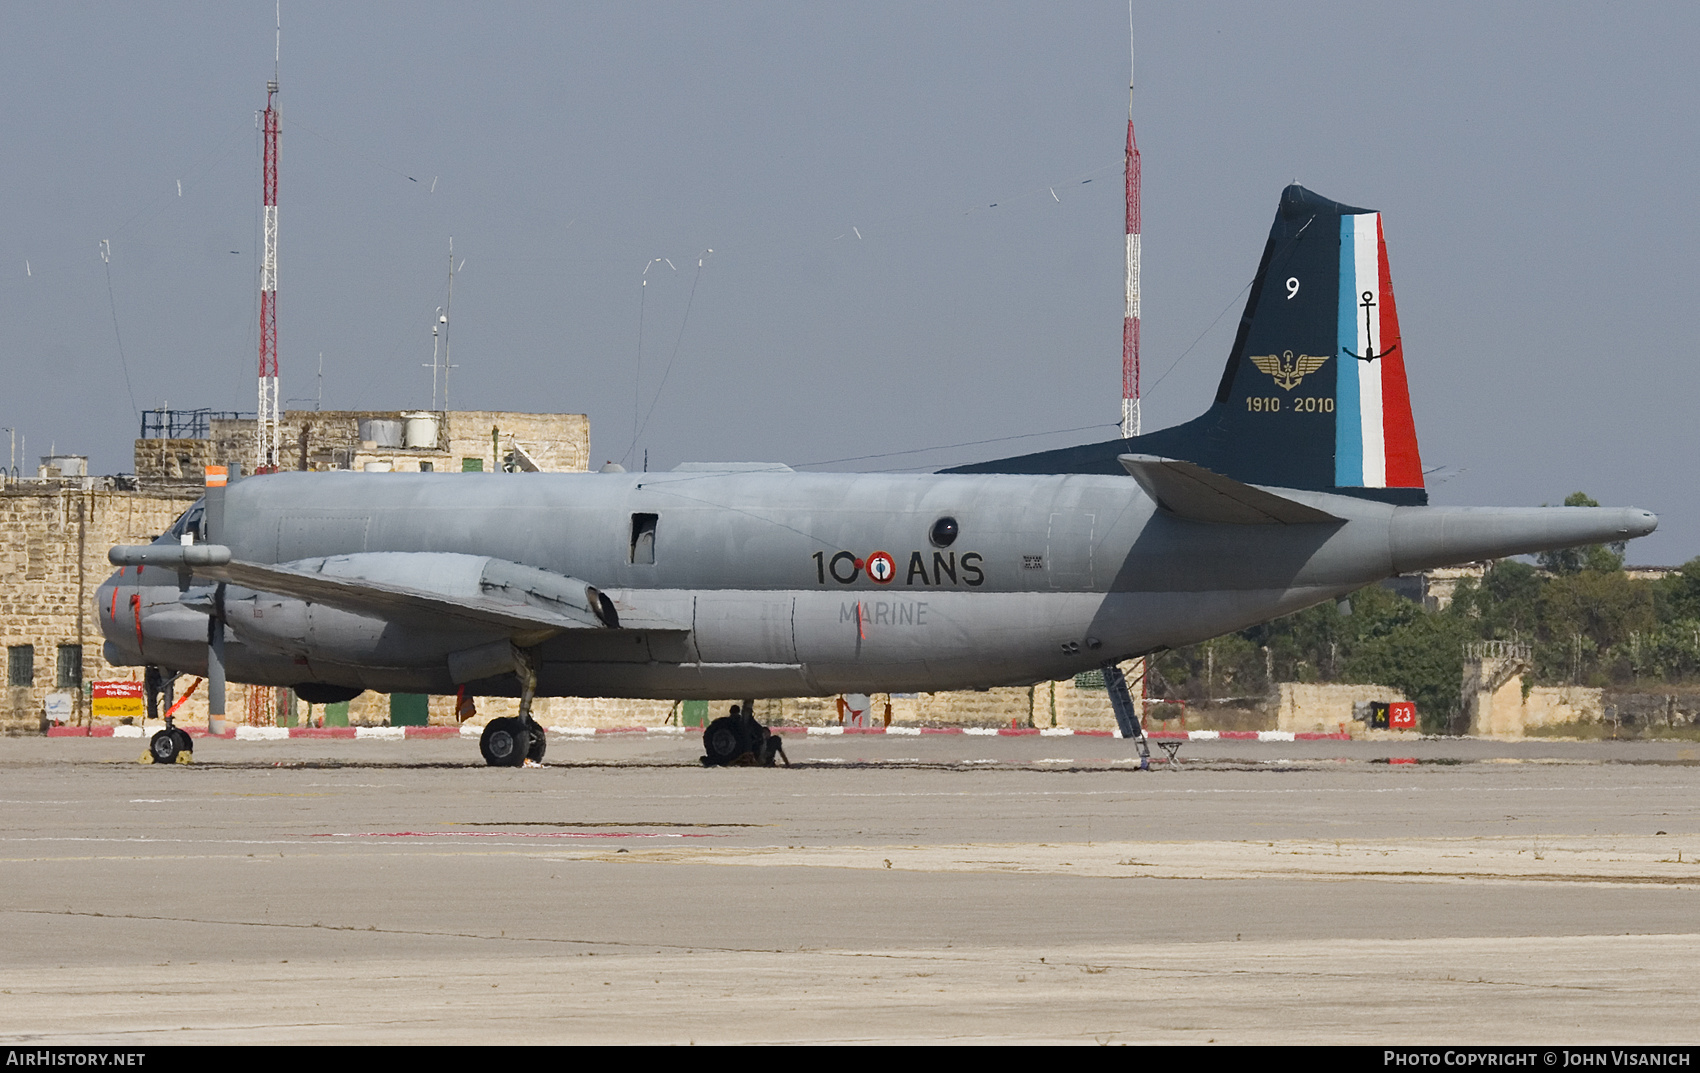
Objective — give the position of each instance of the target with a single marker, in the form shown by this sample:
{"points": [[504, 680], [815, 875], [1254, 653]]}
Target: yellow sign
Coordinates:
{"points": [[119, 700]]}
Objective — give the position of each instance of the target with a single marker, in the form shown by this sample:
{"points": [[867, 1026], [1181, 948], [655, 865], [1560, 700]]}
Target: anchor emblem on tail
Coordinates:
{"points": [[1369, 353]]}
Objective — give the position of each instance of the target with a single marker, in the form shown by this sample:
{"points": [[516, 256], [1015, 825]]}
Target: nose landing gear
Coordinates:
{"points": [[171, 745]]}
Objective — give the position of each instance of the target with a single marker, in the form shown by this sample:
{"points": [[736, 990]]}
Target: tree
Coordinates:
{"points": [[1505, 605], [1584, 616], [1228, 667], [1678, 596], [1599, 558], [1421, 657]]}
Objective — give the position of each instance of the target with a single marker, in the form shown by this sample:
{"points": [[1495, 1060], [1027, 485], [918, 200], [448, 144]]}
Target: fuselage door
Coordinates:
{"points": [[1068, 552], [734, 626]]}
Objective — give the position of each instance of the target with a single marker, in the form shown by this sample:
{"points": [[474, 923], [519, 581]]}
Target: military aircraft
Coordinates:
{"points": [[1301, 483]]}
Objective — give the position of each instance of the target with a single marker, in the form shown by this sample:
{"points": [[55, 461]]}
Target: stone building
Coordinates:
{"points": [[179, 445]]}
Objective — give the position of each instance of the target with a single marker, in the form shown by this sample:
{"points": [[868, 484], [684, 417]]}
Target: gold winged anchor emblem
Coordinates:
{"points": [[1288, 370]]}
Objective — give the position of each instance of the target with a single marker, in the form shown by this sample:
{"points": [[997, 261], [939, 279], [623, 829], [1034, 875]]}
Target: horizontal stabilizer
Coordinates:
{"points": [[1190, 491], [470, 589]]}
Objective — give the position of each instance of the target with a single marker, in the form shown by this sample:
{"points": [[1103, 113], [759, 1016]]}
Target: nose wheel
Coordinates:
{"points": [[170, 746]]}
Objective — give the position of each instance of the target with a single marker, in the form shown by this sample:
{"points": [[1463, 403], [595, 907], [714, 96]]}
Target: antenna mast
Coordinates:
{"points": [[267, 419], [448, 306], [1130, 316]]}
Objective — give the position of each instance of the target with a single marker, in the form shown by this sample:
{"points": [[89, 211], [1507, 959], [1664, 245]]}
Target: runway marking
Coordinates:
{"points": [[1633, 861], [501, 936], [600, 825], [515, 834], [1151, 789], [1595, 861], [152, 839]]}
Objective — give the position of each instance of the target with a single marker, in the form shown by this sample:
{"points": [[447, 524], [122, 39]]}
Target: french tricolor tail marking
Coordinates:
{"points": [[1375, 436]]}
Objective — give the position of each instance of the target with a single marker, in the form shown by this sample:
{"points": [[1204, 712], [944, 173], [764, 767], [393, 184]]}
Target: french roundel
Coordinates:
{"points": [[881, 567]]}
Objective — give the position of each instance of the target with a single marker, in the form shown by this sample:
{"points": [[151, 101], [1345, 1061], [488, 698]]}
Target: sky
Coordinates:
{"points": [[914, 212]]}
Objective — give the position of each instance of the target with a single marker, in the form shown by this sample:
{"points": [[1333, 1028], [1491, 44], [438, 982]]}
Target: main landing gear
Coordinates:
{"points": [[510, 742], [738, 739], [515, 741]]}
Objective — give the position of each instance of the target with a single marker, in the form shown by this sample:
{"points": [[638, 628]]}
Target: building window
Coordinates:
{"points": [[70, 666], [20, 665]]}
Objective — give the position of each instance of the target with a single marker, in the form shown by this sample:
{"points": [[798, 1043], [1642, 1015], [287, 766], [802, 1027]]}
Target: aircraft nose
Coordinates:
{"points": [[103, 609]]}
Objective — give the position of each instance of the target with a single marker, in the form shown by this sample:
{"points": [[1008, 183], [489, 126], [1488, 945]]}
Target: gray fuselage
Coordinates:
{"points": [[770, 579]]}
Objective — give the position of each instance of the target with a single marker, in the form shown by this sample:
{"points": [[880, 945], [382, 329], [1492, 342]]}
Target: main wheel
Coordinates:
{"points": [[163, 746], [539, 742], [185, 744], [504, 743], [723, 741]]}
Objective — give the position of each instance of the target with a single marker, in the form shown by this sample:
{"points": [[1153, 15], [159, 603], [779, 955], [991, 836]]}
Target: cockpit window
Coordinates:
{"points": [[192, 521]]}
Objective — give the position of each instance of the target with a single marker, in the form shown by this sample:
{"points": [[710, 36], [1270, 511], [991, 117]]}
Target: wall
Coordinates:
{"points": [[1507, 713], [1551, 705], [53, 544], [1325, 708]]}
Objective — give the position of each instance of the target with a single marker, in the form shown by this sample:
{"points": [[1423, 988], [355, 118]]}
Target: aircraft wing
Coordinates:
{"points": [[472, 589], [1188, 490]]}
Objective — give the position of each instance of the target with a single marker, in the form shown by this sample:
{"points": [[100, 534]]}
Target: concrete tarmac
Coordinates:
{"points": [[933, 889]]}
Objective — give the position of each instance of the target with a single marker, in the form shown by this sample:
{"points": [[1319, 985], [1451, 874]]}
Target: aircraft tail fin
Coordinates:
{"points": [[1314, 394]]}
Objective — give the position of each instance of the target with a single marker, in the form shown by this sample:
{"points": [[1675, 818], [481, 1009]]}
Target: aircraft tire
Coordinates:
{"points": [[504, 743], [164, 747], [185, 744], [539, 742], [723, 741]]}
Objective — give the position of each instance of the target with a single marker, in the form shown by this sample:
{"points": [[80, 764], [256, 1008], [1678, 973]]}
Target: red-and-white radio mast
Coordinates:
{"points": [[1130, 320], [1130, 317], [266, 439]]}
